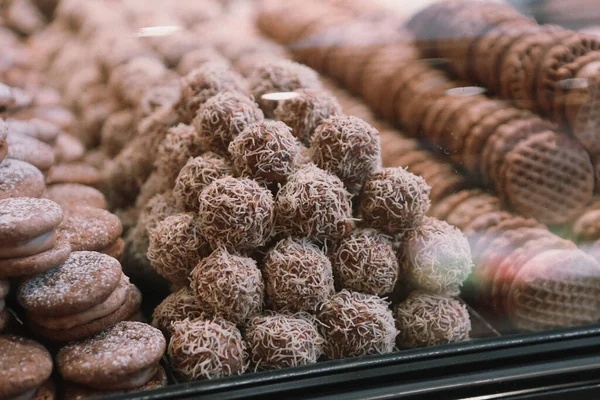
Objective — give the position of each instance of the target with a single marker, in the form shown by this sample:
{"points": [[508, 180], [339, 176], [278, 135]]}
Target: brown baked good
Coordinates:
{"points": [[76, 172], [20, 179], [28, 149], [24, 366], [69, 195], [91, 229], [124, 356], [548, 176]]}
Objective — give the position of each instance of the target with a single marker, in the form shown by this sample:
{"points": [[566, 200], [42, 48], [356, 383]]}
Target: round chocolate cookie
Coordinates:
{"points": [[77, 172], [25, 218], [124, 356], [78, 392], [85, 329], [68, 148], [548, 176], [566, 274], [20, 179], [28, 149], [84, 280], [36, 263], [70, 195], [471, 208], [91, 229], [446, 205], [39, 129], [24, 366]]}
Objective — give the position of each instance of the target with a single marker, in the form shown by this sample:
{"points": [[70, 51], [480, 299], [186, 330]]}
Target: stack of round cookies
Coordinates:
{"points": [[54, 229]]}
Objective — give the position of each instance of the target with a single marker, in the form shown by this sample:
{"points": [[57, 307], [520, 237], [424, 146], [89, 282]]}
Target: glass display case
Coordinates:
{"points": [[299, 199]]}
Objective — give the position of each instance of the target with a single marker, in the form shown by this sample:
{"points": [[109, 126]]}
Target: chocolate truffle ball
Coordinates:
{"points": [[176, 307], [203, 83], [356, 324], [348, 147], [129, 81], [280, 76], [298, 276], [156, 209], [162, 96], [196, 58], [438, 258], [195, 175], [176, 246], [365, 261], [228, 286], [207, 349], [158, 182], [223, 117], [278, 341], [394, 201], [426, 320], [176, 148], [236, 213], [266, 151], [314, 203], [117, 131], [304, 111]]}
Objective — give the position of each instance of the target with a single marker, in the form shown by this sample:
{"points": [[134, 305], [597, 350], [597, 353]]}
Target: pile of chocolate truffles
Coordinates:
{"points": [[282, 230], [176, 145]]}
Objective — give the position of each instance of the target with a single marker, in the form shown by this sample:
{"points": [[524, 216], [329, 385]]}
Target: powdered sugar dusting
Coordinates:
{"points": [[124, 348], [22, 216], [14, 172], [89, 228], [25, 148], [24, 364], [84, 280]]}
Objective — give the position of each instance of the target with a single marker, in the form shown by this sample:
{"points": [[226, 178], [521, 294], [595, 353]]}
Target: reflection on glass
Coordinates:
{"points": [[466, 91], [278, 96], [164, 30]]}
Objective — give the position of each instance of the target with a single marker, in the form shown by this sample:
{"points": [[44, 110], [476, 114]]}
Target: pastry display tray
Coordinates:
{"points": [[554, 363]]}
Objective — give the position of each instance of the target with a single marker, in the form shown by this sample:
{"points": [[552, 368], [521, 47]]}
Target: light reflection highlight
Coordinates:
{"points": [[574, 83], [278, 96], [466, 91], [163, 30]]}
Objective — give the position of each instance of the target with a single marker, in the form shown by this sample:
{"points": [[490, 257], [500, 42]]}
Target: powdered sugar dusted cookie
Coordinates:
{"points": [[124, 356], [20, 179], [24, 366]]}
